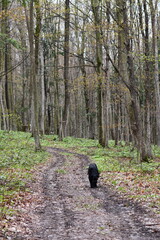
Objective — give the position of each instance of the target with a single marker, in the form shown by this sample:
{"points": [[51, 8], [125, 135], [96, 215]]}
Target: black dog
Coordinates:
{"points": [[93, 175]]}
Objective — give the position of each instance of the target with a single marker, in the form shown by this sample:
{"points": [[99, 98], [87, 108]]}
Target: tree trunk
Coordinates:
{"points": [[42, 91], [148, 87], [141, 137], [33, 79], [156, 67], [7, 64], [96, 8], [65, 114]]}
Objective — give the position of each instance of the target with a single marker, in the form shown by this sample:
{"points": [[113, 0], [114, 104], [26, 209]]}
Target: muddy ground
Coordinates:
{"points": [[64, 207]]}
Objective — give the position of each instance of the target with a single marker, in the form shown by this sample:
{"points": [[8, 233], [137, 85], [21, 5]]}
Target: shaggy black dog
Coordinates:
{"points": [[93, 175]]}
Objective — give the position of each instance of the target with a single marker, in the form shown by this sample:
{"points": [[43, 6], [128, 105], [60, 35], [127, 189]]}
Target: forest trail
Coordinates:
{"points": [[69, 209]]}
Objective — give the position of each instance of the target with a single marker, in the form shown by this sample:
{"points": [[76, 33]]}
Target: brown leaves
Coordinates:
{"points": [[135, 185]]}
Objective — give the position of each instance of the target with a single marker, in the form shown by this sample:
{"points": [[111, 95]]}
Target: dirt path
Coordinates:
{"points": [[70, 209]]}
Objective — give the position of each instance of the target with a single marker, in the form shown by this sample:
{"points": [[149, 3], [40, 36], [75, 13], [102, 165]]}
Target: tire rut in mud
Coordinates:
{"points": [[55, 218], [71, 210], [129, 219]]}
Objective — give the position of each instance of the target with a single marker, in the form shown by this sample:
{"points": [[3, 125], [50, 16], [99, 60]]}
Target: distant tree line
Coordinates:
{"points": [[88, 69]]}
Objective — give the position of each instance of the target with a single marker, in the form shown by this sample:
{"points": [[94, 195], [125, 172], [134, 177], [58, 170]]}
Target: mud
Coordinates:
{"points": [[68, 209]]}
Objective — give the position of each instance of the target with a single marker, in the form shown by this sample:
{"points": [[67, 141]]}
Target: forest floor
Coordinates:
{"points": [[62, 206]]}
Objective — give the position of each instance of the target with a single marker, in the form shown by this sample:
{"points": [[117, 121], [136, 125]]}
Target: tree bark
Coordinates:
{"points": [[155, 62], [135, 108], [8, 108], [42, 91], [33, 79], [96, 8], [65, 114]]}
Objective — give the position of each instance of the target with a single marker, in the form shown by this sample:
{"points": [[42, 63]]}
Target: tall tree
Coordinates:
{"points": [[8, 101], [65, 114], [155, 60], [135, 109], [33, 75], [96, 8]]}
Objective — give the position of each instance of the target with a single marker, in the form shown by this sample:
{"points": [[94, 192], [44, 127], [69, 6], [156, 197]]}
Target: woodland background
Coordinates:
{"points": [[88, 69]]}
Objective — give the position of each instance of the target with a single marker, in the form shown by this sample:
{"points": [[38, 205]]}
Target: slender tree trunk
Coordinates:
{"points": [[107, 101], [148, 87], [65, 114], [155, 61], [42, 92], [96, 8], [25, 75], [57, 77], [106, 92], [2, 110], [7, 62], [33, 78]]}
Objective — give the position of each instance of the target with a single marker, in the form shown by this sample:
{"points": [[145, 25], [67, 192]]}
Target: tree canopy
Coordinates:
{"points": [[81, 68]]}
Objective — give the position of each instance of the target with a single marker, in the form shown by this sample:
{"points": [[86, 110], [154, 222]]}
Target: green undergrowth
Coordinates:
{"points": [[113, 158], [17, 158]]}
